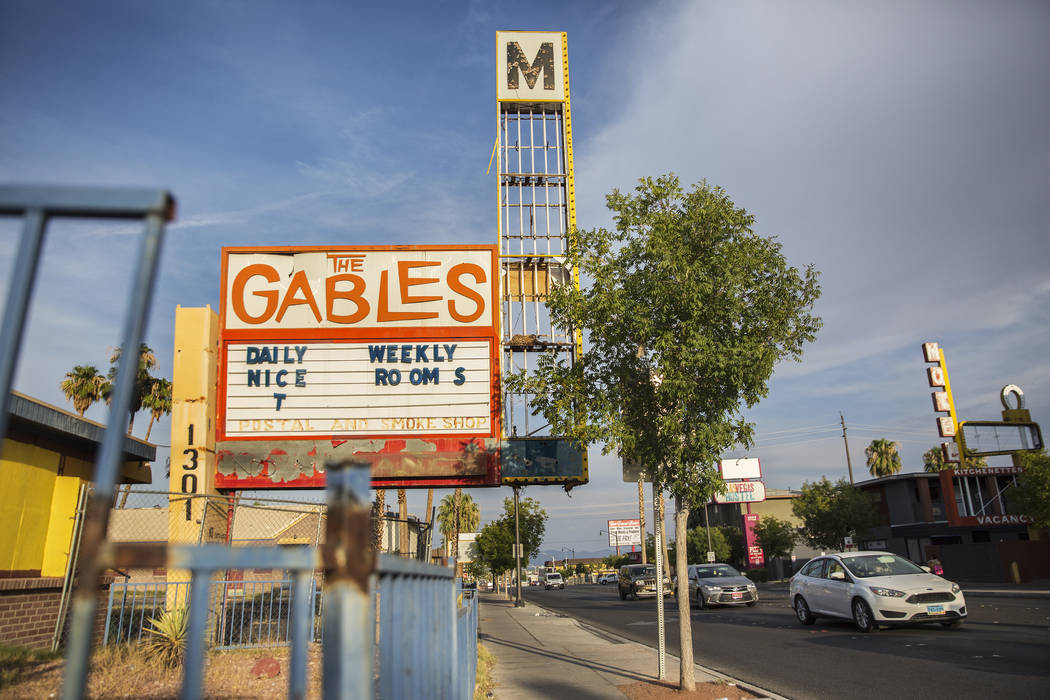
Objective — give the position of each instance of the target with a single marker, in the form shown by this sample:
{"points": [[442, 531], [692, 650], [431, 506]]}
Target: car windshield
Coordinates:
{"points": [[649, 570], [718, 571], [879, 565], [554, 577]]}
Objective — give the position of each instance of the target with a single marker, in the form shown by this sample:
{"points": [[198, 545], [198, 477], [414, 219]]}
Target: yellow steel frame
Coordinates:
{"points": [[570, 194]]}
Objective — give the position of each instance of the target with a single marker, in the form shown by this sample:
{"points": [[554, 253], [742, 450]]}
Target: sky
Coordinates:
{"points": [[902, 148]]}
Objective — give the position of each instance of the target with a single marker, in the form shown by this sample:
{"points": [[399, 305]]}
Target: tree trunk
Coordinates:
{"points": [[641, 515], [124, 496], [687, 676], [377, 536], [430, 524], [402, 524], [455, 529], [149, 428]]}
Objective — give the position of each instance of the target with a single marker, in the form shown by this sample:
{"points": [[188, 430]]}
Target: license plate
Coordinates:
{"points": [[738, 594], [935, 609]]}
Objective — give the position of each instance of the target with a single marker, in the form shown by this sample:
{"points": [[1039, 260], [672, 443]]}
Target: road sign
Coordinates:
{"points": [[633, 472], [711, 557]]}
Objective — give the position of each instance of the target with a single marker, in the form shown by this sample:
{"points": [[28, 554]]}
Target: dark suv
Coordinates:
{"points": [[639, 580]]}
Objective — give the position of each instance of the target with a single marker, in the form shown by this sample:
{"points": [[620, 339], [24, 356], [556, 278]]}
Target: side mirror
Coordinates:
{"points": [[837, 576]]}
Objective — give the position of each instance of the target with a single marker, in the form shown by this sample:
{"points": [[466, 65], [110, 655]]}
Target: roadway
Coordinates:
{"points": [[1001, 651]]}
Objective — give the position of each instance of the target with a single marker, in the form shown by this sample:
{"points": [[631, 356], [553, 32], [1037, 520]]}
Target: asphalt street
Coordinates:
{"points": [[1001, 651]]}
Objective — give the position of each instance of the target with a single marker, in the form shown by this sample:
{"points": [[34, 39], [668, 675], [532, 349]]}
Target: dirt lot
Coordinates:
{"points": [[124, 673], [655, 690]]}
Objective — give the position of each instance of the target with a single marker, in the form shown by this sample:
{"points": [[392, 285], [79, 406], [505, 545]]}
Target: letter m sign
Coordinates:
{"points": [[530, 67]]}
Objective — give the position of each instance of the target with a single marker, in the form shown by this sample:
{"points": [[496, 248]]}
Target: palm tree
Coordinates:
{"points": [[883, 458], [469, 517], [83, 386], [143, 380], [158, 401], [933, 460]]}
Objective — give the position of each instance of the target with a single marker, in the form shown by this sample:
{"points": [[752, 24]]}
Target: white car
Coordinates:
{"points": [[873, 589], [607, 578]]}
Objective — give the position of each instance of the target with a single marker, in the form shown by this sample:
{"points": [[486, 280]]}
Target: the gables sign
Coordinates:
{"points": [[383, 354]]}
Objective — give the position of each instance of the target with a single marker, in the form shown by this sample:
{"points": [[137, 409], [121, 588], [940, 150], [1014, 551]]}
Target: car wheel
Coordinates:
{"points": [[863, 617], [951, 623], [602, 582], [802, 611], [700, 599], [751, 604]]}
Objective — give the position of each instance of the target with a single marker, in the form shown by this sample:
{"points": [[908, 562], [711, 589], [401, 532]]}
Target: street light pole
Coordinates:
{"points": [[518, 601]]}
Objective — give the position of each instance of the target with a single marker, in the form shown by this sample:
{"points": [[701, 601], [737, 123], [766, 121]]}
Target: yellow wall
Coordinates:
{"points": [[27, 479], [777, 507], [60, 526]]}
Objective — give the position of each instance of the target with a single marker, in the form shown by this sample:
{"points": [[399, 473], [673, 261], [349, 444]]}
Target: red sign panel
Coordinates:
{"points": [[755, 557]]}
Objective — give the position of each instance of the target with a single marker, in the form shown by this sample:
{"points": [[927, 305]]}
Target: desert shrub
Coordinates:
{"points": [[165, 639]]}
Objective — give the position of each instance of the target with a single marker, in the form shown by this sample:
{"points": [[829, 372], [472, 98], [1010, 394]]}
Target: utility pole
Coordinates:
{"points": [[849, 465], [518, 602]]}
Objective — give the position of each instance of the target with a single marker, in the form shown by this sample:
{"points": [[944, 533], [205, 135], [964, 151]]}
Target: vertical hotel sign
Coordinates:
{"points": [[378, 355]]}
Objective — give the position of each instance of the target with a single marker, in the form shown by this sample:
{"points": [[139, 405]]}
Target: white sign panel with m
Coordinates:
{"points": [[530, 66]]}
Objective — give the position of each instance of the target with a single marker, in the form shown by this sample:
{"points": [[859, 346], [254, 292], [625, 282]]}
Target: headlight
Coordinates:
{"points": [[709, 587], [887, 592], [955, 588], [751, 586]]}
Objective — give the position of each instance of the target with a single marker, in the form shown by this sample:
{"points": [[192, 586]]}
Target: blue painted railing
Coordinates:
{"points": [[428, 641]]}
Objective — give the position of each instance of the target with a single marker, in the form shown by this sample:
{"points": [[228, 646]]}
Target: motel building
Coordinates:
{"points": [[964, 518], [47, 461]]}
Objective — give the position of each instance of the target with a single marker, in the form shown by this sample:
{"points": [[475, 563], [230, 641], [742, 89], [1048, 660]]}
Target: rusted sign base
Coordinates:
{"points": [[400, 463]]}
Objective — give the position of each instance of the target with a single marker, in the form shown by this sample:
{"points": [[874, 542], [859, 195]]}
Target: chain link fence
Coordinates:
{"points": [[247, 607]]}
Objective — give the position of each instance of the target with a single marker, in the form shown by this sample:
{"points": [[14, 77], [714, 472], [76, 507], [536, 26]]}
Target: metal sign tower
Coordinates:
{"points": [[537, 211]]}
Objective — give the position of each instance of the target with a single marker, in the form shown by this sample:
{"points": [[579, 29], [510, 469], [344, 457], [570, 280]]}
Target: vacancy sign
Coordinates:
{"points": [[359, 342]]}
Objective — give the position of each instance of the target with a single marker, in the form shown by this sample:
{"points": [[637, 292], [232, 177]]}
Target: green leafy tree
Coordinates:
{"points": [[494, 548], [883, 457], [831, 512], [1031, 496], [776, 538], [83, 386], [614, 561], [734, 537], [687, 312], [495, 543]]}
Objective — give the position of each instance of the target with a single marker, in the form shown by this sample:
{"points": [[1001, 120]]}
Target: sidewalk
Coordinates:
{"points": [[542, 655]]}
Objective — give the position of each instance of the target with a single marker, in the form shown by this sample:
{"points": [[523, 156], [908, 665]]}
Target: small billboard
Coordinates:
{"points": [[733, 469], [625, 533], [742, 492]]}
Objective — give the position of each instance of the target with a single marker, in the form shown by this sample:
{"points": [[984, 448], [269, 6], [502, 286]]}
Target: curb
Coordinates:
{"points": [[756, 690]]}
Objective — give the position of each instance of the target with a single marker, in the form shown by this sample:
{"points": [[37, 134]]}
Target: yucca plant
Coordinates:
{"points": [[165, 641]]}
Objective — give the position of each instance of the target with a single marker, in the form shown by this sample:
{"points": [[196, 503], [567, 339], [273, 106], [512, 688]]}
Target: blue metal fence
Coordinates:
{"points": [[428, 624], [242, 613]]}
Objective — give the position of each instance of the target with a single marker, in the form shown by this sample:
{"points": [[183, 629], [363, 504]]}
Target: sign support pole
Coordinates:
{"points": [[518, 601], [658, 540]]}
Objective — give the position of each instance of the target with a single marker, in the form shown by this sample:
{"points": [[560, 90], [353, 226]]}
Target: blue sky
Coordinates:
{"points": [[901, 147]]}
